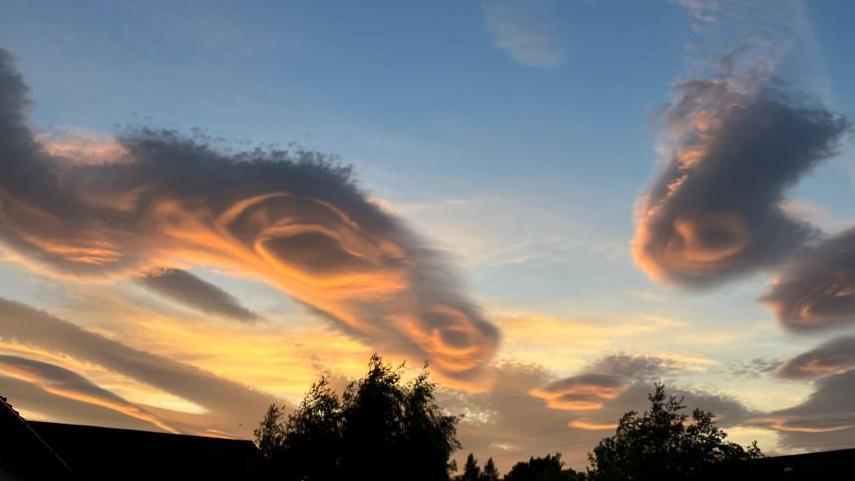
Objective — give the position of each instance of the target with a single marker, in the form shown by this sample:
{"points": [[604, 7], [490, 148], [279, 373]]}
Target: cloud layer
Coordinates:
{"points": [[68, 384], [230, 405], [293, 220], [512, 421], [826, 419]]}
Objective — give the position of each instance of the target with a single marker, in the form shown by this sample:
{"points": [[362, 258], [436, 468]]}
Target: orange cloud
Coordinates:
{"points": [[591, 426], [295, 221], [584, 392], [70, 385], [801, 426]]}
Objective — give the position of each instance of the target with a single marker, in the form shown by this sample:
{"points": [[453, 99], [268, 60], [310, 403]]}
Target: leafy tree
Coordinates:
{"points": [[662, 445], [471, 470], [270, 434], [379, 429], [490, 473], [429, 433], [312, 436], [547, 468]]}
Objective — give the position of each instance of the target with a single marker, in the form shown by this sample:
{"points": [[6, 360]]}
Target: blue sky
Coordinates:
{"points": [[515, 136]]}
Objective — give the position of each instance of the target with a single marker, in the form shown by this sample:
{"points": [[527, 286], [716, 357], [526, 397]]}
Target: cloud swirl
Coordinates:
{"points": [[733, 149], [295, 220], [817, 289]]}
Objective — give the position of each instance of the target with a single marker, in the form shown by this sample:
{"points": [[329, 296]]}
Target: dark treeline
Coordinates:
{"points": [[382, 429]]}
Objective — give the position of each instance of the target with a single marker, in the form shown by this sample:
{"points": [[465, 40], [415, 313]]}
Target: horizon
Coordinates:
{"points": [[204, 208]]}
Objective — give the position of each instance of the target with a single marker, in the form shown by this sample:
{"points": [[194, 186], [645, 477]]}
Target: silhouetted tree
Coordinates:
{"points": [[312, 436], [661, 445], [429, 433], [380, 429], [270, 434], [471, 470], [547, 468], [490, 473]]}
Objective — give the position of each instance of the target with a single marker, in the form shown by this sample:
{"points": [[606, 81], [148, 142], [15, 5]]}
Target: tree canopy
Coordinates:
{"points": [[380, 429], [473, 472], [547, 468], [664, 443]]}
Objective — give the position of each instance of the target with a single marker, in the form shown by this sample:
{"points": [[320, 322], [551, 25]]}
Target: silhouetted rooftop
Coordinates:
{"points": [[98, 453], [819, 466], [23, 454]]}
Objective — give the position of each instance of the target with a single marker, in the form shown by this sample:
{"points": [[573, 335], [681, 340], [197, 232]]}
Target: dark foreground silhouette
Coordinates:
{"points": [[381, 428], [384, 429]]}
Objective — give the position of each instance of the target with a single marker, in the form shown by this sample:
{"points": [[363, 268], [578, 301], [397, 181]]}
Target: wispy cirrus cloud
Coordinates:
{"points": [[526, 31]]}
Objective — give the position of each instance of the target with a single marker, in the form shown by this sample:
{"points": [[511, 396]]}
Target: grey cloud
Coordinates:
{"points": [[185, 288], [714, 212], [292, 219], [826, 420], [621, 382], [508, 423], [757, 367], [234, 408], [833, 357], [817, 289], [634, 367]]}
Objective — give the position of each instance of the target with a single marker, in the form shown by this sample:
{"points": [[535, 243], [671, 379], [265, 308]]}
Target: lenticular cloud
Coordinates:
{"points": [[817, 289], [155, 200], [731, 152]]}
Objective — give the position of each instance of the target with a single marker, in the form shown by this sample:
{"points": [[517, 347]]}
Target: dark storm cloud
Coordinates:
{"points": [[68, 384], [185, 288], [295, 220], [229, 403], [715, 211], [817, 289]]}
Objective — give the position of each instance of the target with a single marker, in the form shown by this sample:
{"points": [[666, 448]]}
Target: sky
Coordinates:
{"points": [[204, 206]]}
